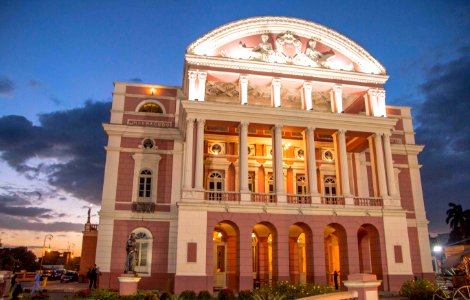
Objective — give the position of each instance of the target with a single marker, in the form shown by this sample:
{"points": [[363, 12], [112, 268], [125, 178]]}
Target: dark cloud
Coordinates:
{"points": [[6, 85], [74, 136], [56, 101], [136, 80], [444, 127], [12, 223], [33, 83]]}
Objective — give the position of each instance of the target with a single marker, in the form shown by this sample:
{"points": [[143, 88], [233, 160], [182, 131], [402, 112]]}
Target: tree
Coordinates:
{"points": [[459, 221], [17, 258]]}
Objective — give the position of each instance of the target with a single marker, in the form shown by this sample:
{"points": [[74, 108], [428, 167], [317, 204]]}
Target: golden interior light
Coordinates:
{"points": [[152, 91], [219, 234], [253, 235]]}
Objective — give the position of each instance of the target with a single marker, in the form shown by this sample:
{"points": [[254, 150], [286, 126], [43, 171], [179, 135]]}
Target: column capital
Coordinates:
{"points": [[202, 75], [310, 129], [276, 82], [381, 92], [201, 121], [341, 131], [192, 75], [190, 122], [378, 134], [307, 85], [387, 135], [337, 88], [243, 124], [243, 79], [373, 92]]}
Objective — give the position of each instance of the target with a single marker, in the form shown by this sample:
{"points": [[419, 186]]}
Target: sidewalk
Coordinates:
{"points": [[57, 290]]}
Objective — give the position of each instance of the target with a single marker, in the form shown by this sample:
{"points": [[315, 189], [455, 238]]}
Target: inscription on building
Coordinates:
{"points": [[146, 123]]}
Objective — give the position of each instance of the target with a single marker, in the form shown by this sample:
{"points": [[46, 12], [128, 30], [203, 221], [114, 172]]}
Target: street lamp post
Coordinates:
{"points": [[46, 237]]}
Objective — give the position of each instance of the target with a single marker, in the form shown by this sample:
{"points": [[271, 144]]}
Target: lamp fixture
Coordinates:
{"points": [[152, 91]]}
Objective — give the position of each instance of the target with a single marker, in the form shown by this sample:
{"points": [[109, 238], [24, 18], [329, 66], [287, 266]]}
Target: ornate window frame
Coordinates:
{"points": [[148, 159], [143, 237], [154, 101]]}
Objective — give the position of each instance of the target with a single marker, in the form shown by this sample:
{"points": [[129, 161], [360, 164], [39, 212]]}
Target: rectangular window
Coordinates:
{"points": [[192, 252], [398, 254]]}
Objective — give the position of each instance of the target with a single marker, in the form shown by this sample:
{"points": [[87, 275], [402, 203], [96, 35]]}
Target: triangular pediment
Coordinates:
{"points": [[283, 40]]}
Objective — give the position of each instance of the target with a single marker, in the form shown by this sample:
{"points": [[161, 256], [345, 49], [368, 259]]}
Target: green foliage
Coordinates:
{"points": [[245, 295], [104, 294], [285, 291], [420, 289], [226, 294], [19, 258], [204, 295], [188, 295]]}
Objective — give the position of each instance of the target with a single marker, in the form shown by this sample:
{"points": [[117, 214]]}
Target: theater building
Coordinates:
{"points": [[276, 160]]}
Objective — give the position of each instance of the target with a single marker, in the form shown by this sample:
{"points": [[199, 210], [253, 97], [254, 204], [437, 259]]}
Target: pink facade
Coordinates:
{"points": [[276, 160]]}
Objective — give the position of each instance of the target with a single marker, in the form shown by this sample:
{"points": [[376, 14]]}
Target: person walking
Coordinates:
{"points": [[92, 276], [335, 278], [37, 282], [15, 289]]}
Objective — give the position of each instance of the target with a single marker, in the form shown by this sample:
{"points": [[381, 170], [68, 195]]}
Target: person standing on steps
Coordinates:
{"points": [[335, 278], [92, 276]]}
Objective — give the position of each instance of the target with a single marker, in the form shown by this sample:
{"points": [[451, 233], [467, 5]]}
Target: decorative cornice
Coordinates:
{"points": [[269, 24], [257, 66]]}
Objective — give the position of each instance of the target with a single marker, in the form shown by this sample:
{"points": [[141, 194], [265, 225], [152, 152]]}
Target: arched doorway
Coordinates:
{"points": [[300, 253], [263, 241], [370, 260], [225, 256], [336, 252]]}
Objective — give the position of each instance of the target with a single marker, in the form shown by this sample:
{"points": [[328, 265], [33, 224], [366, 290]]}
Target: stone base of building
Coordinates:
{"points": [[395, 282], [128, 284]]}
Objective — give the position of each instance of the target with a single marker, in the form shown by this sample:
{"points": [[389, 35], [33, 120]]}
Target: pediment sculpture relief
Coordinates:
{"points": [[288, 50]]}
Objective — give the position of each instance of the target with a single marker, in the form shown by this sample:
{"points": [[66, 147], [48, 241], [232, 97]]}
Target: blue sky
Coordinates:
{"points": [[58, 60]]}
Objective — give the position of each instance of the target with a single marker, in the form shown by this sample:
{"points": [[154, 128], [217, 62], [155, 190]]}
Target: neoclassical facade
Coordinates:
{"points": [[276, 160]]}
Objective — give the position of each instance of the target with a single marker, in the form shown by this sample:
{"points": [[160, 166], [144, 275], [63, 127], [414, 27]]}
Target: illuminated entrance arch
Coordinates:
{"points": [[336, 252], [225, 258], [263, 241], [300, 253]]}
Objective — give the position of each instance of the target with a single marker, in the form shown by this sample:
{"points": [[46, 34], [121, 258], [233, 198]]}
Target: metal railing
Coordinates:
{"points": [[368, 201], [222, 196], [299, 199], [263, 197], [144, 207], [332, 200]]}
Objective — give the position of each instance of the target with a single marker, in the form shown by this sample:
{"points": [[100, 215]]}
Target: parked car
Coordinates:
{"points": [[57, 274], [69, 276], [47, 274]]}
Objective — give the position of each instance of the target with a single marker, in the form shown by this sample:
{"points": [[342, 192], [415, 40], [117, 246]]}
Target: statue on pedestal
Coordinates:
{"points": [[131, 251]]}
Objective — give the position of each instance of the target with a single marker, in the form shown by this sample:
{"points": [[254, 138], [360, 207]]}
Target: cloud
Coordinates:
{"points": [[136, 80], [34, 83], [444, 128], [7, 86], [73, 139], [12, 223]]}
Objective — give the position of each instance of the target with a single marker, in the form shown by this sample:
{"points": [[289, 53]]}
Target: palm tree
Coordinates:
{"points": [[456, 217]]}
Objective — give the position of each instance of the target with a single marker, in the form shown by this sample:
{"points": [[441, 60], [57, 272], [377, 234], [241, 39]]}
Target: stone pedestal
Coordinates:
{"points": [[366, 285], [128, 284]]}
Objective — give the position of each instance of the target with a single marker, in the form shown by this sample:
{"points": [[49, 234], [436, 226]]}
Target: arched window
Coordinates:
{"points": [[151, 107], [330, 186], [145, 185], [251, 181], [301, 185], [143, 245], [215, 184]]}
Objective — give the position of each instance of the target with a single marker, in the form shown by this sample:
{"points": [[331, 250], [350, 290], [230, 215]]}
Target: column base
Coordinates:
{"points": [[245, 196], [192, 195], [349, 200], [366, 285], [128, 284], [316, 198], [281, 198]]}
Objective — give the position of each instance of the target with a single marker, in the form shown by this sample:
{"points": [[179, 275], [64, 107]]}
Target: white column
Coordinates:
{"points": [[373, 93], [201, 85], [199, 172], [381, 103], [243, 89], [188, 161], [341, 134], [389, 166], [380, 165], [278, 174], [192, 85], [276, 92], [338, 98], [307, 95], [243, 158], [311, 162]]}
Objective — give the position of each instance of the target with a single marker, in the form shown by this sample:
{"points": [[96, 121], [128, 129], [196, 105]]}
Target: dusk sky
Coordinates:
{"points": [[58, 61]]}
